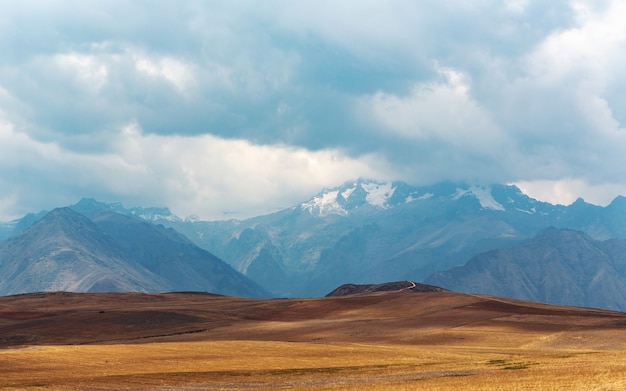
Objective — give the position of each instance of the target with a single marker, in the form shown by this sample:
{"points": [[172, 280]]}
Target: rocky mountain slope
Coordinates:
{"points": [[367, 232], [556, 266], [169, 254], [66, 251]]}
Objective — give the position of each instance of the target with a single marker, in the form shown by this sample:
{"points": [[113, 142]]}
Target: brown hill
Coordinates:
{"points": [[355, 289], [439, 318]]}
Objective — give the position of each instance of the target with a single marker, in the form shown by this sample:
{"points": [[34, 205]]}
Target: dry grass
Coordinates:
{"points": [[391, 341], [284, 365]]}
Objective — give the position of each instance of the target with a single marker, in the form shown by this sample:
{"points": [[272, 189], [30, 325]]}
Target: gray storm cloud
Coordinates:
{"points": [[243, 107]]}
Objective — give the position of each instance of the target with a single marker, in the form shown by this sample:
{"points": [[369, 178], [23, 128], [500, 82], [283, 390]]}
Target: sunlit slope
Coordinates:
{"points": [[401, 316]]}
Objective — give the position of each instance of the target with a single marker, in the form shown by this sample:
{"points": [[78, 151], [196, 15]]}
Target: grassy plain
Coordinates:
{"points": [[391, 341], [282, 365]]}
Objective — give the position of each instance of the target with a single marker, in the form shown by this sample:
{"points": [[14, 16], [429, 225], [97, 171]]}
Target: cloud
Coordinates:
{"points": [[193, 173], [204, 175], [565, 191], [443, 111], [84, 69], [451, 135], [569, 86], [174, 96]]}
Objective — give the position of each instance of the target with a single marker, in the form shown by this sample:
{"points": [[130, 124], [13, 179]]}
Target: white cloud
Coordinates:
{"points": [[441, 110], [210, 176], [358, 27], [18, 148], [584, 59], [516, 6], [566, 191], [175, 71], [204, 175], [87, 70], [176, 104]]}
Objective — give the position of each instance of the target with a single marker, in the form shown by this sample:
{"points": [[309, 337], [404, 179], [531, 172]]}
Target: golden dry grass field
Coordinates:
{"points": [[383, 341], [300, 365]]}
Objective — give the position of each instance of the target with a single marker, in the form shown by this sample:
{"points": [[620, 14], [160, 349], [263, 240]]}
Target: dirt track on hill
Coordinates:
{"points": [[386, 317], [391, 340]]}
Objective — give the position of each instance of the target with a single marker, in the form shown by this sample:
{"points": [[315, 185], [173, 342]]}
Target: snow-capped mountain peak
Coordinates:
{"points": [[378, 194], [325, 204], [339, 201], [483, 195], [87, 206], [154, 214], [383, 195]]}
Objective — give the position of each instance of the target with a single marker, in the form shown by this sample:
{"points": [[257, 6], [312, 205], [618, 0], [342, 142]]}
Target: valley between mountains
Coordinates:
{"points": [[477, 239], [97, 296]]}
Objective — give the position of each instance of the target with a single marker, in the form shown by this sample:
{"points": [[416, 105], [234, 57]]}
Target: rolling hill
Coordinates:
{"points": [[396, 337], [390, 315]]}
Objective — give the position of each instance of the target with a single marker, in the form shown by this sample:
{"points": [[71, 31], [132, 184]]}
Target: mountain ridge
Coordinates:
{"points": [[367, 232], [400, 232], [67, 251], [557, 266]]}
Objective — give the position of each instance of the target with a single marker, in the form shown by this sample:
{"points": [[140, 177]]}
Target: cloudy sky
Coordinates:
{"points": [[227, 109]]}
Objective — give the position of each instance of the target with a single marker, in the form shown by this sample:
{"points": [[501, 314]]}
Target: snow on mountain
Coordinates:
{"points": [[426, 196], [347, 192], [365, 231], [154, 214], [325, 204], [88, 206], [378, 194], [339, 201], [483, 194]]}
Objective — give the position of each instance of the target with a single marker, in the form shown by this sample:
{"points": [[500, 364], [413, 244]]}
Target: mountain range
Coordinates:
{"points": [[557, 266], [110, 252], [367, 232]]}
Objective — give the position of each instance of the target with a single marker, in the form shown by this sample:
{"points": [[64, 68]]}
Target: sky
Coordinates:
{"points": [[231, 109]]}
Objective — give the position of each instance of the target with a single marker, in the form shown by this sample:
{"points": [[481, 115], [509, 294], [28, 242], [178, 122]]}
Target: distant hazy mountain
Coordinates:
{"points": [[88, 206], [365, 232], [91, 207], [6, 229], [67, 251], [556, 266], [173, 257]]}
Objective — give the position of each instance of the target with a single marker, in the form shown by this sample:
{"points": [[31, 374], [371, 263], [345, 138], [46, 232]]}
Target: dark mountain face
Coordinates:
{"points": [[173, 257], [68, 252], [556, 266]]}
